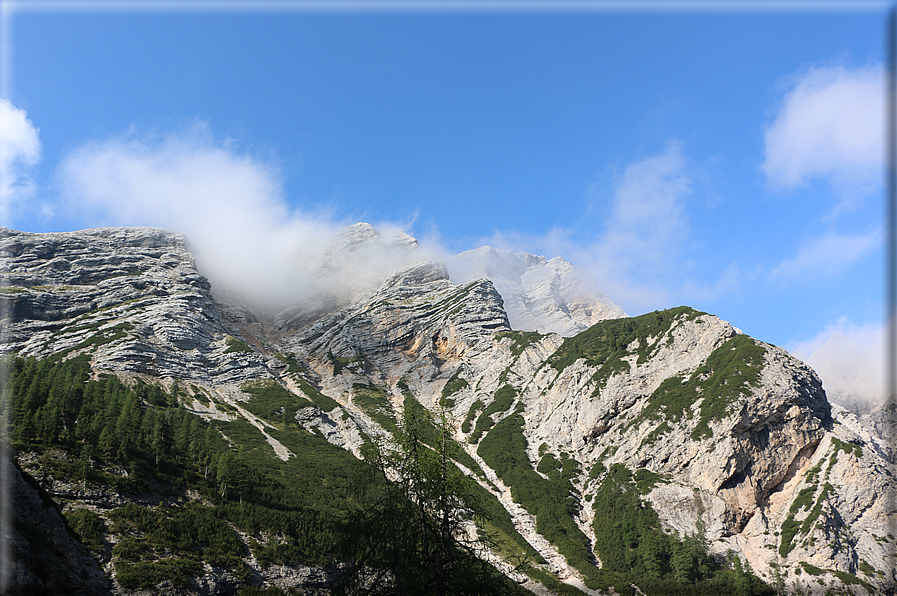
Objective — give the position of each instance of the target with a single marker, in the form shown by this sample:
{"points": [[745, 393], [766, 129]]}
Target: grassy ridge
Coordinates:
{"points": [[726, 375], [452, 386], [272, 401], [521, 340], [502, 402], [606, 343], [374, 402]]}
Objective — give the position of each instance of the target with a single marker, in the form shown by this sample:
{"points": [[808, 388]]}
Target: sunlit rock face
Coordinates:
{"points": [[132, 297], [545, 295], [417, 320], [745, 448]]}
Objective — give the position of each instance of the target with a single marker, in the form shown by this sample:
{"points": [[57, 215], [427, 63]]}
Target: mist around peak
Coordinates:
{"points": [[353, 264], [850, 360], [231, 205], [545, 295]]}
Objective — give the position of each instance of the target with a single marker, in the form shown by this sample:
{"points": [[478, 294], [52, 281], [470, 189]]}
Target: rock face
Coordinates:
{"points": [[742, 444], [416, 315], [548, 296], [45, 558], [750, 444], [132, 297], [882, 421]]}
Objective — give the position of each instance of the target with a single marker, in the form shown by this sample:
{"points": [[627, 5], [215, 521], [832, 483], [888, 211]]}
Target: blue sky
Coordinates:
{"points": [[725, 159]]}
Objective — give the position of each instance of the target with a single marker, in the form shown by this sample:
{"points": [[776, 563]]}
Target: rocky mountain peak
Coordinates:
{"points": [[361, 246], [354, 264], [539, 294], [419, 273], [544, 295], [416, 321]]}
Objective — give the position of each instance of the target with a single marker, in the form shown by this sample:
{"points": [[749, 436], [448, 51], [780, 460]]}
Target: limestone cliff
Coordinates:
{"points": [[132, 297]]}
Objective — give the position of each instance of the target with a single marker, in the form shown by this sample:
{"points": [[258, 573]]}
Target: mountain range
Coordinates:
{"points": [[170, 438]]}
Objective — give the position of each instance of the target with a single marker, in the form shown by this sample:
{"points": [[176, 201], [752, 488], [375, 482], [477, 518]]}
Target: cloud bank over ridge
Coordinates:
{"points": [[230, 205], [850, 360]]}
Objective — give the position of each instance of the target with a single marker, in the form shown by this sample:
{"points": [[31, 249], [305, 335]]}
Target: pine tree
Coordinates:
{"points": [[223, 471], [161, 443], [107, 443]]}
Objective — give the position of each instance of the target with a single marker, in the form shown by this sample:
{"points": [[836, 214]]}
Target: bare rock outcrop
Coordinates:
{"points": [[130, 297], [45, 557], [545, 295], [418, 320]]}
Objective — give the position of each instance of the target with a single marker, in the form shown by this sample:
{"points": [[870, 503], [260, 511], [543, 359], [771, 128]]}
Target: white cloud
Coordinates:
{"points": [[645, 231], [635, 258], [849, 359], [829, 126], [19, 149], [827, 255], [648, 209], [229, 205]]}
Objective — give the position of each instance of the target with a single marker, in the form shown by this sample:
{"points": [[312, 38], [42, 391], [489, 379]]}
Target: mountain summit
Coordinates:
{"points": [[548, 296], [170, 440]]}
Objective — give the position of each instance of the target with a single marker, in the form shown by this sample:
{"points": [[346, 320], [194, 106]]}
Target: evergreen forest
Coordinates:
{"points": [[209, 492]]}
